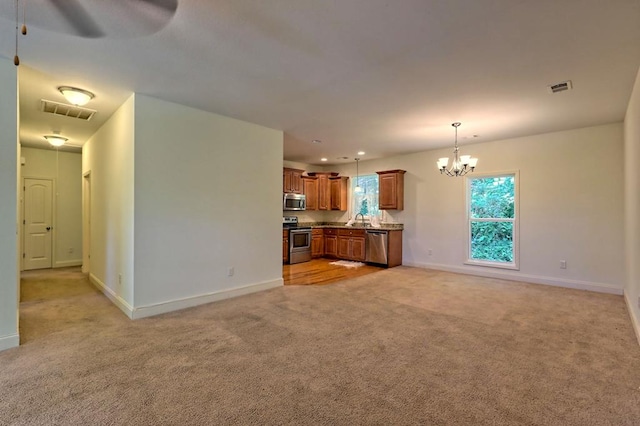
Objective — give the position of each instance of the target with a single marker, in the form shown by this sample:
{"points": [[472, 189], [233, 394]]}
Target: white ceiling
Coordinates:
{"points": [[382, 76]]}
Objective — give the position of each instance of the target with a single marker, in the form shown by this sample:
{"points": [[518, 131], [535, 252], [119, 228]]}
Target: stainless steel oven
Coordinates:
{"points": [[299, 245], [299, 240]]}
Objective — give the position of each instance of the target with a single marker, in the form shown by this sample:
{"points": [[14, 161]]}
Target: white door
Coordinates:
{"points": [[37, 223]]}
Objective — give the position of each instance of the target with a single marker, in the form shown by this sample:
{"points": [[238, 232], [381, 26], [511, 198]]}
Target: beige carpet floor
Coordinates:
{"points": [[400, 346]]}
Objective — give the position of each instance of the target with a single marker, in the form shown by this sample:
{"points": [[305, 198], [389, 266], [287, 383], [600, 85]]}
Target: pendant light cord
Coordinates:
{"points": [[16, 59]]}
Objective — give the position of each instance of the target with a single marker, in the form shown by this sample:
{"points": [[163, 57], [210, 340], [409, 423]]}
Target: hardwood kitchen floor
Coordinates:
{"points": [[320, 272]]}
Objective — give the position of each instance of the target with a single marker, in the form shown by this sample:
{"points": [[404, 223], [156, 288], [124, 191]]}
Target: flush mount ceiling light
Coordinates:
{"points": [[76, 96], [56, 140], [462, 164], [360, 152], [323, 159]]}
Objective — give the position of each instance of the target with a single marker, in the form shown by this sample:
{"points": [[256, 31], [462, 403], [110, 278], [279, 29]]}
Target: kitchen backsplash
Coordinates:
{"points": [[337, 216]]}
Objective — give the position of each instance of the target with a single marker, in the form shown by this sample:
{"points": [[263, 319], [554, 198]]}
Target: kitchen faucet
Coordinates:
{"points": [[362, 216]]}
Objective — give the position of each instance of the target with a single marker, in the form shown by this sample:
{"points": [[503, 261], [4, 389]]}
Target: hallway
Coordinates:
{"points": [[59, 300]]}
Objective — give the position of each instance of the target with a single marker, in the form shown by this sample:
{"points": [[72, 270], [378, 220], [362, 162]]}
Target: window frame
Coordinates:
{"points": [[515, 265], [352, 201]]}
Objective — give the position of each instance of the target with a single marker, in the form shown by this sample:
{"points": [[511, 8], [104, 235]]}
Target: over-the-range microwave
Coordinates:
{"points": [[294, 202]]}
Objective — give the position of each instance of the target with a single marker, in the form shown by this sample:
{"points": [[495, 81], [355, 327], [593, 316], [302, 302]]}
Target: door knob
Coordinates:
{"points": [[48, 228]]}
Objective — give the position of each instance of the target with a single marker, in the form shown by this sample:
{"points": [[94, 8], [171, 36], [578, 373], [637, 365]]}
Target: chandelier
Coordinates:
{"points": [[461, 165]]}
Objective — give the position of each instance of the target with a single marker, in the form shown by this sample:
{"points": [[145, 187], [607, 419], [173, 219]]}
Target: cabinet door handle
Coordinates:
{"points": [[48, 228]]}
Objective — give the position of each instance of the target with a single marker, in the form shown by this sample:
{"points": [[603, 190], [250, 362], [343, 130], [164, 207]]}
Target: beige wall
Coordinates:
{"points": [[108, 157], [9, 262], [632, 205], [207, 191], [571, 206], [65, 169]]}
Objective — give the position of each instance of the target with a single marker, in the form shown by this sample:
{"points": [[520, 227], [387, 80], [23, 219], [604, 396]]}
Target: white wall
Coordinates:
{"points": [[9, 262], [109, 157], [632, 204], [207, 197], [67, 174], [571, 206]]}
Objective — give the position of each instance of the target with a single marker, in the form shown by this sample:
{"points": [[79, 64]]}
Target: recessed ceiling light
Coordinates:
{"points": [[76, 96], [343, 158], [323, 159], [360, 152], [316, 141]]}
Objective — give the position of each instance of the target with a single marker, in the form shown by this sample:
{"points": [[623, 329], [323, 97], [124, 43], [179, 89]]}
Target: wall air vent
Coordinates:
{"points": [[560, 87], [72, 111]]}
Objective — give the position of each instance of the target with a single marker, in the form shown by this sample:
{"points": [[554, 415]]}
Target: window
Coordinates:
{"points": [[366, 201], [492, 212]]}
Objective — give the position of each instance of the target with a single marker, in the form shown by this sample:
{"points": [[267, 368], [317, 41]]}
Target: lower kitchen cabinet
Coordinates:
{"points": [[285, 246], [347, 244], [317, 242], [351, 244], [330, 242]]}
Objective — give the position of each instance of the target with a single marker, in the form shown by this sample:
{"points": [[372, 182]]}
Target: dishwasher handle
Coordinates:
{"points": [[377, 232]]}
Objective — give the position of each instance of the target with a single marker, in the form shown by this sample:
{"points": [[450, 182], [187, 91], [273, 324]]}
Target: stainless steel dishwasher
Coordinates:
{"points": [[377, 246]]}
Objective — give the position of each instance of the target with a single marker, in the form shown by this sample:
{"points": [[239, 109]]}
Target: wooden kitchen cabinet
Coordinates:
{"points": [[330, 242], [324, 190], [339, 191], [317, 242], [394, 248], [292, 180], [285, 245], [391, 190], [310, 190], [351, 244]]}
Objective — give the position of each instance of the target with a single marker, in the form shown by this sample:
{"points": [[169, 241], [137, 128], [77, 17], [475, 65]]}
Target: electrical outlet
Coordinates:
{"points": [[563, 264], [230, 271], [430, 252], [120, 279], [70, 251]]}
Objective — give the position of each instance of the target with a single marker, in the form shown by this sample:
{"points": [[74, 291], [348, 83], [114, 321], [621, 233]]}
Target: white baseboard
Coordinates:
{"points": [[67, 263], [111, 295], [517, 276], [10, 341], [635, 323], [188, 302]]}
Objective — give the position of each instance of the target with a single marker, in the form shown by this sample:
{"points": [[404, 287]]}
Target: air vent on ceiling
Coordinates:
{"points": [[560, 87], [67, 110]]}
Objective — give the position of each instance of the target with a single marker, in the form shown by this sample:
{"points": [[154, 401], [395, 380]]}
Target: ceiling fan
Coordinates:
{"points": [[93, 18]]}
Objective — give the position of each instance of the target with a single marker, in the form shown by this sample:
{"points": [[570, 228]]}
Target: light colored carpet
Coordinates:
{"points": [[400, 346]]}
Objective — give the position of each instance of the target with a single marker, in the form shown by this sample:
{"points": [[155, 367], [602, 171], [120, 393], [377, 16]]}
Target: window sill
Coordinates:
{"points": [[511, 266]]}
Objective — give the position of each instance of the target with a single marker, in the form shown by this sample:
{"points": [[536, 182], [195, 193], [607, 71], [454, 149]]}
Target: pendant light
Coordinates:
{"points": [[357, 189], [462, 164]]}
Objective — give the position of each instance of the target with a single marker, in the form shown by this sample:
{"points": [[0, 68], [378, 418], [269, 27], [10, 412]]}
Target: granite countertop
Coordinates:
{"points": [[383, 226]]}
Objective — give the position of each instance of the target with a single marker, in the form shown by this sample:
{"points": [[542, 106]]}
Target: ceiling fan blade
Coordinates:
{"points": [[76, 15]]}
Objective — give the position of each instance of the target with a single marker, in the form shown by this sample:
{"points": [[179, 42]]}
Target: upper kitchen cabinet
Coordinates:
{"points": [[391, 190], [292, 180], [324, 189], [338, 187], [310, 190]]}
